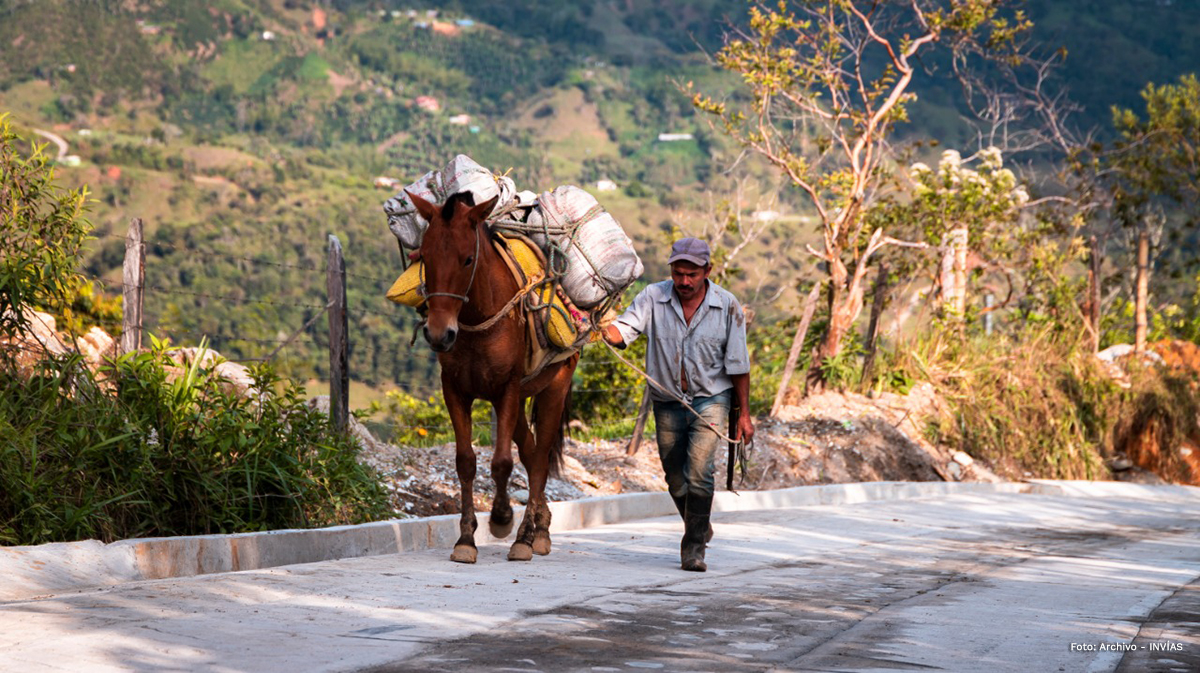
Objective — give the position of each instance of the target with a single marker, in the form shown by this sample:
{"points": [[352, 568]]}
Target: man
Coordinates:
{"points": [[697, 351]]}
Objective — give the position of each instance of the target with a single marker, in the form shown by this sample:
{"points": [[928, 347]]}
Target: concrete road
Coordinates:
{"points": [[1001, 582]]}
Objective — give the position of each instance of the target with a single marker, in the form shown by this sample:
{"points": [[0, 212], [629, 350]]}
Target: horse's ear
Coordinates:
{"points": [[425, 208], [480, 213]]}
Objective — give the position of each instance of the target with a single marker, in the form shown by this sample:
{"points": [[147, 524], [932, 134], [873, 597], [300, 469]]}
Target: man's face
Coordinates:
{"points": [[688, 278]]}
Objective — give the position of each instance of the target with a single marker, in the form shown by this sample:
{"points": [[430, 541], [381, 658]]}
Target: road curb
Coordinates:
{"points": [[29, 572]]}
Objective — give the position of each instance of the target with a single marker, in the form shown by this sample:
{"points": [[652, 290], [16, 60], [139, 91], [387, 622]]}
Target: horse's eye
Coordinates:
{"points": [[469, 260]]}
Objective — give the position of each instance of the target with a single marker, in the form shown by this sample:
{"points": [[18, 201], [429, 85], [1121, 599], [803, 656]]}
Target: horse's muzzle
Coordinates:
{"points": [[443, 344]]}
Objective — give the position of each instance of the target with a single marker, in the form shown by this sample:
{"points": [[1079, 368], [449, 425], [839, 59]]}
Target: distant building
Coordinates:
{"points": [[268, 35], [764, 216], [428, 103], [444, 28], [384, 182], [606, 186], [148, 28], [460, 120], [465, 23], [72, 160], [671, 137]]}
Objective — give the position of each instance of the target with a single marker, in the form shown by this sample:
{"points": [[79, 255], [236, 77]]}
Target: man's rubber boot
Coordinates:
{"points": [[695, 530], [681, 505]]}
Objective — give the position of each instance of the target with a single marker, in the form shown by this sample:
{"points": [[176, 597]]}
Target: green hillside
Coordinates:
{"points": [[245, 131]]}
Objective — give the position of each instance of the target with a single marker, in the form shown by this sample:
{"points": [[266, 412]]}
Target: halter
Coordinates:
{"points": [[474, 267]]}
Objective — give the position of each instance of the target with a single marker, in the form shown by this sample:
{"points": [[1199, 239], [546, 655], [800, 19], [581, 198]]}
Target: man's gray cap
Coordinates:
{"points": [[691, 250]]}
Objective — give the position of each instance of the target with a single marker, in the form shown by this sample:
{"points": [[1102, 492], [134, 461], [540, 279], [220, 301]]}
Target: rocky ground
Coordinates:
{"points": [[830, 438]]}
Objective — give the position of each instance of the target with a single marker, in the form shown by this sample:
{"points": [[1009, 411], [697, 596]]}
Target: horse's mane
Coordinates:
{"points": [[466, 198]]}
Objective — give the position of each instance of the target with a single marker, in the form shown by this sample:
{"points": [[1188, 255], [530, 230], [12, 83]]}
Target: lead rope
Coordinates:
{"points": [[661, 387], [738, 449]]}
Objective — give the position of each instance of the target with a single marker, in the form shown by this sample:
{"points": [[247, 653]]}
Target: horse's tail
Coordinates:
{"points": [[554, 457]]}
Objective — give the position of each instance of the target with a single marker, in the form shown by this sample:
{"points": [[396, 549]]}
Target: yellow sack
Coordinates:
{"points": [[559, 327], [407, 288]]}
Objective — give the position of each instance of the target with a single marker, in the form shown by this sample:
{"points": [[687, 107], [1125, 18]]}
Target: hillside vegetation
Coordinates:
{"points": [[245, 131]]}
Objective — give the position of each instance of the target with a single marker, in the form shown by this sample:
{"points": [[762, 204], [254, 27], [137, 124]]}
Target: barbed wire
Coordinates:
{"points": [[367, 311], [251, 260], [240, 300], [221, 338]]}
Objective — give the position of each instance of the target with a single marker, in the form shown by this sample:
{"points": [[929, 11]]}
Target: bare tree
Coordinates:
{"points": [[730, 226], [828, 80]]}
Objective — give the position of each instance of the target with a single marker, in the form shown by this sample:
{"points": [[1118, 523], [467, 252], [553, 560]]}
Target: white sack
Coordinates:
{"points": [[462, 174], [600, 260]]}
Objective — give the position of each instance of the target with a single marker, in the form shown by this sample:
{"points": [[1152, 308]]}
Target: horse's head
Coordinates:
{"points": [[450, 252]]}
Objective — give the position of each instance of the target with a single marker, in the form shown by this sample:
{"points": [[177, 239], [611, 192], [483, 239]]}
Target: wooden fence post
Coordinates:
{"points": [[133, 277], [1142, 291], [643, 412], [881, 287], [810, 305], [339, 376], [1094, 280]]}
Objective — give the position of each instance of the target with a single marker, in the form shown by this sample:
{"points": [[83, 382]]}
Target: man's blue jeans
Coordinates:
{"points": [[687, 446]]}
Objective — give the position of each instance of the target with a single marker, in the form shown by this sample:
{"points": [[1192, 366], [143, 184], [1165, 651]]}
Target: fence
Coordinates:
{"points": [[135, 288]]}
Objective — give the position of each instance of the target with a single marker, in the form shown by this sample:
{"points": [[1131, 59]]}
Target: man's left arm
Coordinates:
{"points": [[741, 391], [737, 366]]}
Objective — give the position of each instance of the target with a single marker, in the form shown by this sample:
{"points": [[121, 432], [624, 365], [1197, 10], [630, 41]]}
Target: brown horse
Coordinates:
{"points": [[467, 283]]}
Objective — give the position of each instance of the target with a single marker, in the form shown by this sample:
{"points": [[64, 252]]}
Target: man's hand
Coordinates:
{"points": [[613, 336], [745, 428]]}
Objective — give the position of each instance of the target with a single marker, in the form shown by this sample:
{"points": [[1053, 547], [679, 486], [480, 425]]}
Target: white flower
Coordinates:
{"points": [[919, 168], [951, 159], [992, 157]]}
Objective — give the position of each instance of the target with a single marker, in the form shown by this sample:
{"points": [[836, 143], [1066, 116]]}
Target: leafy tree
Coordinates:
{"points": [[41, 230], [963, 206], [827, 82], [1156, 161]]}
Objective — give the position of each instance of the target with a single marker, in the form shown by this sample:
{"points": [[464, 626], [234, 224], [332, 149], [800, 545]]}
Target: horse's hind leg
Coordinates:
{"points": [[551, 404], [508, 419], [464, 462], [522, 548]]}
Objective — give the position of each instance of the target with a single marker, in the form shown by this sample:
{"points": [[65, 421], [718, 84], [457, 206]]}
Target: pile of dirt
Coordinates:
{"points": [[831, 438]]}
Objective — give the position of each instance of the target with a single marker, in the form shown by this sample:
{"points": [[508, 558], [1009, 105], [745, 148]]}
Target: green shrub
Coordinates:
{"points": [[41, 232], [424, 421], [147, 449]]}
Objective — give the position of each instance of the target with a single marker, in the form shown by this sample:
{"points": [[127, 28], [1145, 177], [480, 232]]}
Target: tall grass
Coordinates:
{"points": [[1039, 404], [153, 450]]}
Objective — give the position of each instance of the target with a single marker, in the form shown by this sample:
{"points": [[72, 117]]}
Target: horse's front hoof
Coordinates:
{"points": [[520, 552], [541, 543], [500, 530], [464, 554]]}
